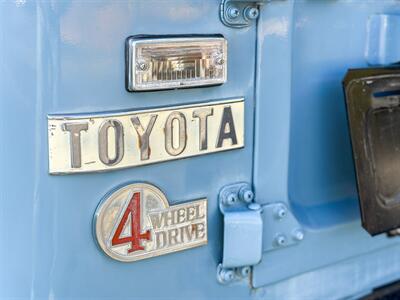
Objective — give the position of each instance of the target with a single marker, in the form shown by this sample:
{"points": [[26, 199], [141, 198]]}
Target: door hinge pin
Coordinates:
{"points": [[254, 206]]}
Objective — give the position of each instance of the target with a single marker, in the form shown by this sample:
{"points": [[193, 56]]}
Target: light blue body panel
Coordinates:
{"points": [[65, 57], [307, 161]]}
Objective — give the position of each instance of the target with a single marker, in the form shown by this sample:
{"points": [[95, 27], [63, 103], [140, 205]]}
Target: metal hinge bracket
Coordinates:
{"points": [[251, 230], [240, 13], [242, 232]]}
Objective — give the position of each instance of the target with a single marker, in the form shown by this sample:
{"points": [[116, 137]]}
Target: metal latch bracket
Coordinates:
{"points": [[251, 230], [240, 13], [243, 228]]}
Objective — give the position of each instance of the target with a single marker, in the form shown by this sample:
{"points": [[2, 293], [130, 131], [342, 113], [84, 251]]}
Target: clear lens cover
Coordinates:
{"points": [[155, 64]]}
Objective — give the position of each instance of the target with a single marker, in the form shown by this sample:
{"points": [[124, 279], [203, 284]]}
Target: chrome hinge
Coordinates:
{"points": [[240, 13], [250, 230]]}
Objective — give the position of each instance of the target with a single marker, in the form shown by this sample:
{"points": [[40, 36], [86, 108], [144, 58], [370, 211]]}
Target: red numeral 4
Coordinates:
{"points": [[134, 210]]}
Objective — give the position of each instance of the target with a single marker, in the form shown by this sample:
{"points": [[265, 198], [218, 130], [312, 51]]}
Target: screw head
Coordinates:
{"points": [[220, 61], [252, 13], [142, 66], [231, 199], [280, 212], [233, 12], [246, 195], [227, 275], [298, 235], [245, 271], [280, 240]]}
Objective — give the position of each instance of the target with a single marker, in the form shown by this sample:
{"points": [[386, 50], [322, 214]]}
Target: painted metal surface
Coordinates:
{"points": [[383, 45], [67, 57], [302, 146], [71, 58], [280, 227]]}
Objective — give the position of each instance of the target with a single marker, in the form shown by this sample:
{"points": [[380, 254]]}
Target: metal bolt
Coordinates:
{"points": [[226, 275], [298, 235], [280, 212], [142, 66], [231, 199], [280, 240], [244, 271], [251, 13], [246, 194], [233, 12]]}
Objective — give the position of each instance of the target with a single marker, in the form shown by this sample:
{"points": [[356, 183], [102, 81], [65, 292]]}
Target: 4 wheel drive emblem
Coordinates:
{"points": [[136, 222]]}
